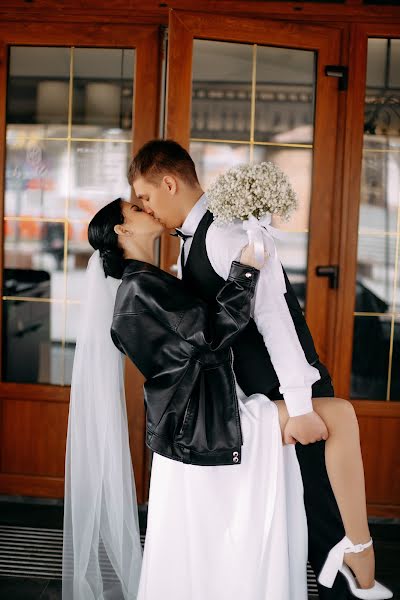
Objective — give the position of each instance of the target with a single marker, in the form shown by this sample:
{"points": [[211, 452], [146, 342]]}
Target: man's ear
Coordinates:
{"points": [[171, 183]]}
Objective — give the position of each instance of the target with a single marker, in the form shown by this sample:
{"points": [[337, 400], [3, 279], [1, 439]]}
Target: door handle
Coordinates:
{"points": [[330, 271]]}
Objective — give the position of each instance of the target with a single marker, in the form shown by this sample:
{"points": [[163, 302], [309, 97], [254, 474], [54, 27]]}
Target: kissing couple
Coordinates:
{"points": [[256, 463]]}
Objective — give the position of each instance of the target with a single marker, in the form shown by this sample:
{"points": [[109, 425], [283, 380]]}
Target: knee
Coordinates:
{"points": [[344, 412]]}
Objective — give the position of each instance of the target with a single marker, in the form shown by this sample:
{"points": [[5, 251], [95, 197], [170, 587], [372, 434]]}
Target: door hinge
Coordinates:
{"points": [[342, 74]]}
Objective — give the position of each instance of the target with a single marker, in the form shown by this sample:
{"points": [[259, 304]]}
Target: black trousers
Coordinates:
{"points": [[325, 527]]}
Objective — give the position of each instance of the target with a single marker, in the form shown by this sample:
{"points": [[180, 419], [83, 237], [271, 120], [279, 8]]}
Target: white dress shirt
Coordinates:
{"points": [[269, 310]]}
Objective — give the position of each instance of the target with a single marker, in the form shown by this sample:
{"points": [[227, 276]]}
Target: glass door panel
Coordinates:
{"points": [[376, 346], [69, 143], [254, 103]]}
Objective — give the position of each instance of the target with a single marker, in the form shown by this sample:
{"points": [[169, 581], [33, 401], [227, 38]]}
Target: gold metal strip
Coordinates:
{"points": [[41, 219], [66, 206], [105, 140], [395, 276], [376, 232], [388, 385], [372, 314], [87, 221], [219, 141], [294, 230], [253, 100], [46, 219], [283, 145], [48, 300], [247, 143], [382, 150], [75, 139]]}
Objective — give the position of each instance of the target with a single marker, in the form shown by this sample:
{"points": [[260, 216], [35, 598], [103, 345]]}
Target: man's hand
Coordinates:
{"points": [[247, 257], [306, 429]]}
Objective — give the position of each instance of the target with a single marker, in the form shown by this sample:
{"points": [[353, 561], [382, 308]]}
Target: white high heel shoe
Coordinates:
{"points": [[335, 563]]}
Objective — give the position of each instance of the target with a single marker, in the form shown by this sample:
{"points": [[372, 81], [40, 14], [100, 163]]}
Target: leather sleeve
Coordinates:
{"points": [[155, 306], [212, 328]]}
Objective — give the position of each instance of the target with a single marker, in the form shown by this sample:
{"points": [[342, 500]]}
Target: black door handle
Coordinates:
{"points": [[330, 271]]}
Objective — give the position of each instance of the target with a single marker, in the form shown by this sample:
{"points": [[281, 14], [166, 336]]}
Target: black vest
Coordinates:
{"points": [[252, 364]]}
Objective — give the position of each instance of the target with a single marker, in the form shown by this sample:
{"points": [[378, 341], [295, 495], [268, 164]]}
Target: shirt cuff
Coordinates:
{"points": [[298, 401]]}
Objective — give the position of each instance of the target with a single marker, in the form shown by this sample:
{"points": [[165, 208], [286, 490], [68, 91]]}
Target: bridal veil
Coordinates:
{"points": [[102, 554]]}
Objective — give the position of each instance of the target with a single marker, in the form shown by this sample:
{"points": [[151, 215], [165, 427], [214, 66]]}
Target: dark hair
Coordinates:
{"points": [[159, 157], [102, 237]]}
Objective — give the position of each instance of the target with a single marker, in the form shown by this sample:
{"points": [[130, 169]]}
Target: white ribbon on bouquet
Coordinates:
{"points": [[261, 233]]}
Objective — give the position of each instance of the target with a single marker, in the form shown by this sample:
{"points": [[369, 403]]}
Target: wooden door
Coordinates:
{"points": [[367, 351], [73, 113], [241, 90], [349, 175]]}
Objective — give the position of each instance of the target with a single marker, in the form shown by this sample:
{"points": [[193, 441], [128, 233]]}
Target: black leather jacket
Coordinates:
{"points": [[183, 348]]}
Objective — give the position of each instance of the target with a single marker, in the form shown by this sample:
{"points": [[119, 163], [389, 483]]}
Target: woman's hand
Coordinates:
{"points": [[248, 258]]}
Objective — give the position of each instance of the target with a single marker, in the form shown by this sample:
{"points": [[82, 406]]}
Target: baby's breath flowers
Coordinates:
{"points": [[251, 190]]}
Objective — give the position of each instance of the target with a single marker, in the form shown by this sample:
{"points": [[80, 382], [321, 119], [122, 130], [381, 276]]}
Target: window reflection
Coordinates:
{"points": [[34, 350], [376, 343], [213, 159], [35, 246], [256, 103], [371, 347], [69, 130]]}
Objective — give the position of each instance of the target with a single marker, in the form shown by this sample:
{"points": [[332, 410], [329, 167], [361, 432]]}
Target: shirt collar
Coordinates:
{"points": [[195, 215]]}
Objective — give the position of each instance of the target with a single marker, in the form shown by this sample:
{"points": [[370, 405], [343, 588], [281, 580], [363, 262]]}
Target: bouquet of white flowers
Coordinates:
{"points": [[251, 190], [251, 194]]}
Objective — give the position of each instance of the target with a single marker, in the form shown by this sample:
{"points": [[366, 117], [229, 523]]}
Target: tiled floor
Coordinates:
{"points": [[31, 513]]}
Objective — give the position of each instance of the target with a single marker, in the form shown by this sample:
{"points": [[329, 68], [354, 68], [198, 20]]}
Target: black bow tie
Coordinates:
{"points": [[182, 235]]}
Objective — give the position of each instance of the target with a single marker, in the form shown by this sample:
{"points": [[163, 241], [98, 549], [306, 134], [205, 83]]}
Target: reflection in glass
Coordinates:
{"points": [[79, 251], [66, 179], [376, 62], [284, 95], [395, 63], [36, 176], [377, 264], [213, 159], [383, 67], [71, 333], [380, 184], [32, 352], [382, 99], [225, 75], [221, 90], [38, 85], [228, 80], [296, 163], [370, 354], [102, 92], [98, 175], [376, 269], [34, 246], [293, 255], [395, 378]]}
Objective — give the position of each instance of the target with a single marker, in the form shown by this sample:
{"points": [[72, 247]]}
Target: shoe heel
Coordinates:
{"points": [[328, 574]]}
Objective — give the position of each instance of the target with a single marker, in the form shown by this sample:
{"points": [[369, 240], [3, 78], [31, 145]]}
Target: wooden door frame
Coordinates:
{"points": [[146, 41], [379, 420], [349, 220], [183, 28]]}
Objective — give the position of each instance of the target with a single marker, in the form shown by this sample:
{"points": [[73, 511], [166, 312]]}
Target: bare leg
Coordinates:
{"points": [[346, 475]]}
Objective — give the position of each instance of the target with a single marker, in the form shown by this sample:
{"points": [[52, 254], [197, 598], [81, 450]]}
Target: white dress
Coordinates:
{"points": [[235, 532]]}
